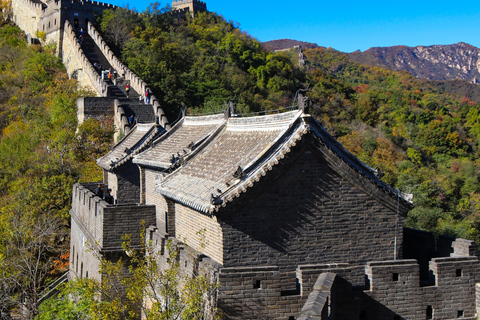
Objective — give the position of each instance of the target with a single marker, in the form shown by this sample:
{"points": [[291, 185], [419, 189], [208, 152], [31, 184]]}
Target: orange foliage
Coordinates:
{"points": [[363, 88], [353, 142], [61, 264]]}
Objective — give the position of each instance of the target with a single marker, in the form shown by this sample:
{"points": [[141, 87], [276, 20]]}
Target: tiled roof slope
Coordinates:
{"points": [[208, 178], [243, 152], [181, 140], [134, 142]]}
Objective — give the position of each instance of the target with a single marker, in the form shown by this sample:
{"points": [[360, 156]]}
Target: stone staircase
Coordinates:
{"points": [[143, 113], [94, 55]]}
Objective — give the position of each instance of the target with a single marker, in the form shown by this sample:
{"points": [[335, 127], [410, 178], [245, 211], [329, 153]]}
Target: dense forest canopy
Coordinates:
{"points": [[424, 139]]}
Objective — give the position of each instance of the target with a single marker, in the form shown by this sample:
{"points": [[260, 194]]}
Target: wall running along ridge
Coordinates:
{"points": [[135, 81]]}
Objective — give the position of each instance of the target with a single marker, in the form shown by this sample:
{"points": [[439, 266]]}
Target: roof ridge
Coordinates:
{"points": [[138, 147]]}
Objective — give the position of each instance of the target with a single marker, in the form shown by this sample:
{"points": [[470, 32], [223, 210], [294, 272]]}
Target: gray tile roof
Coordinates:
{"points": [[180, 140], [134, 142], [245, 145], [243, 151]]}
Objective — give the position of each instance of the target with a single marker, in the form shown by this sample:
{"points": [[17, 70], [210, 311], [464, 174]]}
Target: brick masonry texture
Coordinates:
{"points": [[100, 227], [347, 224]]}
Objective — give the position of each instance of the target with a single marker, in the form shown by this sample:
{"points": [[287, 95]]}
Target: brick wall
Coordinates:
{"points": [[87, 211], [156, 199], [396, 287], [309, 214], [84, 262], [202, 233], [128, 184], [120, 220], [94, 107], [104, 224], [26, 15]]}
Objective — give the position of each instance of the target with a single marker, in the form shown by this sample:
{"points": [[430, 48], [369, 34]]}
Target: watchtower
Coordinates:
{"points": [[192, 6]]}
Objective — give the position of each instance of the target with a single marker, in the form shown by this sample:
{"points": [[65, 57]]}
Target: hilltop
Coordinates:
{"points": [[287, 44]]}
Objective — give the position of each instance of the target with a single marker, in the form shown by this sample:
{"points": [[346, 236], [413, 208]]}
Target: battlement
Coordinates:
{"points": [[98, 4], [185, 3], [395, 285], [38, 7], [189, 6], [454, 281], [74, 59], [104, 224]]}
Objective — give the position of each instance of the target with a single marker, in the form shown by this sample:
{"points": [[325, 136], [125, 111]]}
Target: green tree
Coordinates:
{"points": [[154, 282]]}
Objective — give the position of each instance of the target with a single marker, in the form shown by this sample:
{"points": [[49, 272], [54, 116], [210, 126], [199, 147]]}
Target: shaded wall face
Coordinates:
{"points": [[128, 184], [309, 214]]}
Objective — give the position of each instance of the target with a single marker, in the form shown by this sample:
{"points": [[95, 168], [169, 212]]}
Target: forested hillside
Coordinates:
{"points": [[424, 140], [436, 62], [41, 156]]}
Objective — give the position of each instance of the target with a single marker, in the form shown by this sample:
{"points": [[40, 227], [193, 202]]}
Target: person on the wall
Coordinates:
{"points": [[127, 90], [147, 96], [99, 191], [108, 197]]}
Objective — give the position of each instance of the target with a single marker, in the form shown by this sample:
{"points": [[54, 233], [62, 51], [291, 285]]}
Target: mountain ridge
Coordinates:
{"points": [[459, 61], [435, 62]]}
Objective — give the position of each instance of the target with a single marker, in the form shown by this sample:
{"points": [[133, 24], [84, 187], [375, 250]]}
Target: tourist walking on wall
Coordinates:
{"points": [[99, 191], [147, 96], [108, 197], [127, 90]]}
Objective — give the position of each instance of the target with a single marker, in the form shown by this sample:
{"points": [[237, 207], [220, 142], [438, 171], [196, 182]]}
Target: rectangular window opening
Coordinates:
{"points": [[429, 312], [395, 276], [460, 314], [458, 272], [257, 284]]}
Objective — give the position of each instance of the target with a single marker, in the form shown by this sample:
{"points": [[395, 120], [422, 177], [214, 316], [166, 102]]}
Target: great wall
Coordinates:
{"points": [[298, 228], [61, 21]]}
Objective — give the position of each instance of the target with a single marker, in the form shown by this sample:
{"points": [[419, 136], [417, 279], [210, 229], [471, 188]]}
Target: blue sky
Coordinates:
{"points": [[351, 25]]}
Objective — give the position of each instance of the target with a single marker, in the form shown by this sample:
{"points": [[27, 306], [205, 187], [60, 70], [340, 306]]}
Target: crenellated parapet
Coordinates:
{"points": [[105, 224], [135, 81], [49, 16], [191, 4], [77, 63], [454, 281], [98, 227], [27, 15]]}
